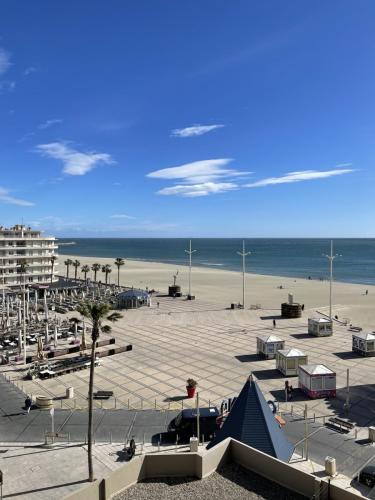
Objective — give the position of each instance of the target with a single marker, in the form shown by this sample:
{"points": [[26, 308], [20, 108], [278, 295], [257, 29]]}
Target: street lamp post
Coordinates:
{"points": [[190, 253], [331, 258], [243, 254]]}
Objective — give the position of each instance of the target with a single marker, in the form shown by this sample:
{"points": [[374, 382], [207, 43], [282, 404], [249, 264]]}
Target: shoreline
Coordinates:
{"points": [[213, 267], [223, 287]]}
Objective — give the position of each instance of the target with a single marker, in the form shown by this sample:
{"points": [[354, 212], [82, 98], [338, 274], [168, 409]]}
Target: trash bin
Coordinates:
{"points": [[69, 392], [330, 466]]}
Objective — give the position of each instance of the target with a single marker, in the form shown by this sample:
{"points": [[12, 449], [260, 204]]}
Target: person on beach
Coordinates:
{"points": [[158, 304], [303, 307], [274, 323], [366, 292], [28, 404]]}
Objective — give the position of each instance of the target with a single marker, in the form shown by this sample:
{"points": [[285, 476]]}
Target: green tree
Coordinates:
{"points": [[95, 267], [96, 313], [106, 270], [76, 265], [119, 262], [53, 259], [68, 263], [85, 269]]}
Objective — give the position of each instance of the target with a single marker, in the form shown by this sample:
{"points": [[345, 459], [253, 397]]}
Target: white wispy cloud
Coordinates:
{"points": [[5, 63], [195, 190], [199, 178], [74, 162], [198, 171], [28, 71], [121, 216], [194, 130], [5, 197], [49, 123], [303, 175]]}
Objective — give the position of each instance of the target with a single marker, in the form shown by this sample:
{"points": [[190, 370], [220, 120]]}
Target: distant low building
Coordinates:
{"points": [[132, 299], [22, 245]]}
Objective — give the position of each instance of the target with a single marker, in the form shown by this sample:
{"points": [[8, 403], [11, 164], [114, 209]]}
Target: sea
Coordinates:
{"points": [[298, 258]]}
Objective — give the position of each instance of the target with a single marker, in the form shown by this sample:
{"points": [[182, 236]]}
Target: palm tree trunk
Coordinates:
{"points": [[52, 273], [67, 272], [90, 429], [95, 276], [118, 276], [75, 274]]}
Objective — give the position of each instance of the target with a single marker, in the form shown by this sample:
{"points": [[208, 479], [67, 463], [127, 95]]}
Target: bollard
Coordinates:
{"points": [[128, 404]]}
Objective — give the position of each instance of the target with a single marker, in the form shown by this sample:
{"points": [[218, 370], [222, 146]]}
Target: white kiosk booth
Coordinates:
{"points": [[317, 381], [288, 361], [267, 345], [320, 327], [364, 343]]}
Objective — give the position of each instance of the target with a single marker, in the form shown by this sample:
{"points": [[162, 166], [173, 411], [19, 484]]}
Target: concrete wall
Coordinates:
{"points": [[200, 466], [337, 493], [273, 469]]}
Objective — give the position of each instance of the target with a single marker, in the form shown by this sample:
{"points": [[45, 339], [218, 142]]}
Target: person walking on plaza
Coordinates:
{"points": [[28, 404], [274, 323]]}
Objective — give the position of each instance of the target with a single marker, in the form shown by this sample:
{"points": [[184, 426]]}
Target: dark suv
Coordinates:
{"points": [[367, 475], [185, 424]]}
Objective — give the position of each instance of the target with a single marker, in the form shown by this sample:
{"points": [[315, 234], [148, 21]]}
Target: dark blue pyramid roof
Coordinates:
{"points": [[252, 422]]}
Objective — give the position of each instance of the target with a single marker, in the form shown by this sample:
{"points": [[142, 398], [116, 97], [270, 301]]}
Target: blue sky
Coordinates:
{"points": [[210, 118]]}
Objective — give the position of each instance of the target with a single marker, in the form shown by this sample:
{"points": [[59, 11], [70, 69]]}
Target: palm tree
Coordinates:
{"points": [[96, 313], [106, 269], [119, 262], [95, 267], [68, 263], [23, 269], [76, 265], [85, 269], [53, 259]]}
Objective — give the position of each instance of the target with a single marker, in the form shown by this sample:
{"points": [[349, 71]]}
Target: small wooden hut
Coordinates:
{"points": [[320, 327], [317, 381], [364, 343], [288, 361], [267, 345]]}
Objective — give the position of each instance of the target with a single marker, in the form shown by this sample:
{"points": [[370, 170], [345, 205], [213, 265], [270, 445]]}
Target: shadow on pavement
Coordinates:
{"points": [[247, 358]]}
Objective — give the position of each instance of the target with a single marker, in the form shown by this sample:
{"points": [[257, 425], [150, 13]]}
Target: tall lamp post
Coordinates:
{"points": [[190, 253], [331, 258], [243, 254]]}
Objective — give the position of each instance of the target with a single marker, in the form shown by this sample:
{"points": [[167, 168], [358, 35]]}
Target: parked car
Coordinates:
{"points": [[185, 424], [367, 476]]}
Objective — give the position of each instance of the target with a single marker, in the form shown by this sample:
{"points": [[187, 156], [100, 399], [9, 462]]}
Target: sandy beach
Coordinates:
{"points": [[224, 287]]}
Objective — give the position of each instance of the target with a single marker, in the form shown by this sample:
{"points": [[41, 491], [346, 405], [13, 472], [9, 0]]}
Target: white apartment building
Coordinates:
{"points": [[21, 244]]}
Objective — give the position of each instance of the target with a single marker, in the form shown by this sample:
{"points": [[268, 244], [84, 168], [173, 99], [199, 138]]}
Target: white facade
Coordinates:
{"points": [[21, 244]]}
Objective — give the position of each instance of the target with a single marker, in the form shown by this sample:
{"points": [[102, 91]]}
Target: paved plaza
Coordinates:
{"points": [[217, 347]]}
